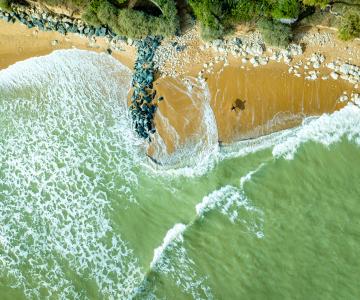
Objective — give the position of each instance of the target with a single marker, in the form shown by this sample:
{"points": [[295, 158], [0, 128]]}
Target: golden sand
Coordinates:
{"points": [[271, 98], [18, 43]]}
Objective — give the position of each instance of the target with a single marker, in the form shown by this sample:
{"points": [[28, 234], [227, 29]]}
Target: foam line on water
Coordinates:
{"points": [[233, 202], [66, 148], [172, 259], [327, 129], [173, 234]]}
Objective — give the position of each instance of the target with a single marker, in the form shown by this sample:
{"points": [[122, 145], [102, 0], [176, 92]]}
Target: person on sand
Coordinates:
{"points": [[240, 104]]}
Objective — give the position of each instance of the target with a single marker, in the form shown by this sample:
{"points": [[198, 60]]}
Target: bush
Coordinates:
{"points": [[133, 23], [275, 33], [211, 33], [90, 14], [215, 16], [245, 10], [5, 5], [321, 3], [286, 9], [350, 26]]}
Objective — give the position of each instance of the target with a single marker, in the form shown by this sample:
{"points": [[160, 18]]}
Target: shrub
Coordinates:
{"points": [[350, 26], [5, 5], [245, 10], [286, 9], [90, 13], [133, 23], [275, 33], [211, 33], [321, 3], [214, 16]]}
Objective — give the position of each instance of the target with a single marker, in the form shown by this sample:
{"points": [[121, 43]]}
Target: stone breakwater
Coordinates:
{"points": [[143, 103]]}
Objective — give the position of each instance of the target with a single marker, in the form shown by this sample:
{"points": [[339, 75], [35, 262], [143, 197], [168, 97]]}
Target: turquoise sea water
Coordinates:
{"points": [[85, 215]]}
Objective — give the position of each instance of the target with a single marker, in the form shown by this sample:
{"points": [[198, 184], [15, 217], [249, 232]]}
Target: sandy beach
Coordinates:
{"points": [[18, 43], [272, 98]]}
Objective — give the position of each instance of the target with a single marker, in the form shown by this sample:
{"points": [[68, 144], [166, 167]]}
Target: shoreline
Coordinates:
{"points": [[17, 43], [230, 75]]}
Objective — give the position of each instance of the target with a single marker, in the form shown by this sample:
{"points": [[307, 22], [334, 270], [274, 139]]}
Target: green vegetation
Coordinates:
{"points": [[350, 26], [5, 5], [286, 9], [217, 18], [275, 33], [321, 3], [131, 22]]}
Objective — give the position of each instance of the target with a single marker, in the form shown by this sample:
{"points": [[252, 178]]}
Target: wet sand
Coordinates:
{"points": [[272, 99]]}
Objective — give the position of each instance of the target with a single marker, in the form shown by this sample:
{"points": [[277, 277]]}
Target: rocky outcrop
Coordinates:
{"points": [[143, 103], [45, 21]]}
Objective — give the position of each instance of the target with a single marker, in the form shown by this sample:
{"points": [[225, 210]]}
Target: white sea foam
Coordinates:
{"points": [[198, 155], [233, 203], [176, 263], [327, 129], [174, 234], [66, 147]]}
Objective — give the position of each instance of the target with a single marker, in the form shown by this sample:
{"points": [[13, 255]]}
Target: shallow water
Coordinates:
{"points": [[86, 215]]}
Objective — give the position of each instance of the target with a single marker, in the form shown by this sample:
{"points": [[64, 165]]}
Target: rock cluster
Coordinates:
{"points": [[172, 55], [348, 72], [143, 106], [317, 38], [316, 59], [252, 50], [354, 98], [238, 46], [45, 21]]}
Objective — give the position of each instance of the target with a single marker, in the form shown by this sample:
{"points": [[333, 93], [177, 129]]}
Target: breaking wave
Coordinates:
{"points": [[56, 191], [65, 149]]}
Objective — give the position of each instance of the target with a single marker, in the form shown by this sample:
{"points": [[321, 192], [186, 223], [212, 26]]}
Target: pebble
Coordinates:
{"points": [[343, 98], [334, 75]]}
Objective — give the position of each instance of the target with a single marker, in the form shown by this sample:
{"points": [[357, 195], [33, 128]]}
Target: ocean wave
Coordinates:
{"points": [[174, 234], [327, 129], [66, 147], [171, 259], [233, 202]]}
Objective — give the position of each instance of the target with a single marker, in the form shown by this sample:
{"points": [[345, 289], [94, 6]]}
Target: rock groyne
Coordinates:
{"points": [[143, 103]]}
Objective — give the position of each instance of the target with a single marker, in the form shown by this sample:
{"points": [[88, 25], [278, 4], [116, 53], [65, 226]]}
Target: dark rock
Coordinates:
{"points": [[61, 30], [73, 29], [102, 31], [180, 48]]}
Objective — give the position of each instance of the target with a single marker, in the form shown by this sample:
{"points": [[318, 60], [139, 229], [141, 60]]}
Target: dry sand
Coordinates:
{"points": [[17, 43]]}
